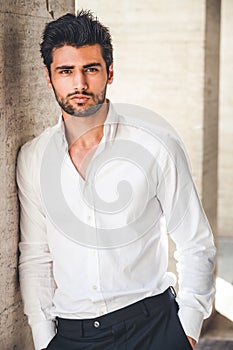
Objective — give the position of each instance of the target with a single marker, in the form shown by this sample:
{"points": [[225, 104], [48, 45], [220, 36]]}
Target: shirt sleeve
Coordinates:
{"points": [[189, 229], [35, 263]]}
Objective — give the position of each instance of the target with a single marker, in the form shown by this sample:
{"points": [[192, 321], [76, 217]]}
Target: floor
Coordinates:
{"points": [[218, 332]]}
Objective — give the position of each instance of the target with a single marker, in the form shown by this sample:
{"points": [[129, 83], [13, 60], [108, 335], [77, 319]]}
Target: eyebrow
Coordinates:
{"points": [[93, 64], [64, 67]]}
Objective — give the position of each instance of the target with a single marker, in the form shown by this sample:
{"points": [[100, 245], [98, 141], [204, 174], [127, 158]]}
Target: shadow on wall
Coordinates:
{"points": [[14, 332]]}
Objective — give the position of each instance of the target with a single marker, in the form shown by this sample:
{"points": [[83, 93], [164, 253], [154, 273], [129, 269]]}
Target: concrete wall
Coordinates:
{"points": [[226, 122], [166, 59], [26, 107]]}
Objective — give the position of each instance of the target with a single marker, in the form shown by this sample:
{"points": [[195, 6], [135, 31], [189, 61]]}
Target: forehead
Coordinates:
{"points": [[77, 55]]}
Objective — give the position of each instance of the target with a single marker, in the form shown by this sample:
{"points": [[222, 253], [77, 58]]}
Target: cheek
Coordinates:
{"points": [[98, 83], [62, 88], [99, 87]]}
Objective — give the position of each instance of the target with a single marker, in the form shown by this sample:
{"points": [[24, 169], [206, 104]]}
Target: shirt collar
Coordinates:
{"points": [[110, 126]]}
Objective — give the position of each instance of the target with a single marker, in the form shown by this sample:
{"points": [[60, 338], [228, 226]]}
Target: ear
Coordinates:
{"points": [[110, 74], [48, 78]]}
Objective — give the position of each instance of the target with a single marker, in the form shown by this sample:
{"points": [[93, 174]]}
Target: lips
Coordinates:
{"points": [[80, 98]]}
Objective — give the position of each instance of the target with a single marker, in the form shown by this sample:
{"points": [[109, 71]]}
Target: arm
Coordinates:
{"points": [[189, 229], [35, 263]]}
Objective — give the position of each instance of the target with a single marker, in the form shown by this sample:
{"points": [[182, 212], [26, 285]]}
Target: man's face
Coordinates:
{"points": [[79, 79]]}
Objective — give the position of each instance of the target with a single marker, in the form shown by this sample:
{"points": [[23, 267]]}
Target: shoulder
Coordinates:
{"points": [[35, 147], [145, 119], [150, 126], [31, 154], [38, 142], [153, 134]]}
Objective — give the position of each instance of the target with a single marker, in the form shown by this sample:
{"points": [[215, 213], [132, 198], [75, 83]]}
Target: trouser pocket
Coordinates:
{"points": [[181, 332]]}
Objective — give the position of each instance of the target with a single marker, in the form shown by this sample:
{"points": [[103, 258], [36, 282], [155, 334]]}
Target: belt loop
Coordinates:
{"points": [[173, 291], [144, 308]]}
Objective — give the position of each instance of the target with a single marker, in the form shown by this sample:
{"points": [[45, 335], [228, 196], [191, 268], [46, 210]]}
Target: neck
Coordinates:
{"points": [[85, 132]]}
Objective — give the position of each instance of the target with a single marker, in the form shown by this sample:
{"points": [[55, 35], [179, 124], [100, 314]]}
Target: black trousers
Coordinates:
{"points": [[150, 324]]}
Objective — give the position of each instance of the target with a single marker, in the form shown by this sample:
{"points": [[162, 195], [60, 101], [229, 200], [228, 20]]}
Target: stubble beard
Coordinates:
{"points": [[64, 103]]}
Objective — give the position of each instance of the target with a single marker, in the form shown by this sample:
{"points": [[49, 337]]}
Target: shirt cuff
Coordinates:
{"points": [[42, 333], [191, 321]]}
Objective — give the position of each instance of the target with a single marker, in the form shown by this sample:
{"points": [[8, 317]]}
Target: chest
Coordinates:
{"points": [[81, 158]]}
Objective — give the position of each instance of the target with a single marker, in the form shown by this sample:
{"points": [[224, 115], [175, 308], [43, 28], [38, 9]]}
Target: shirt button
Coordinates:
{"points": [[94, 287], [96, 324]]}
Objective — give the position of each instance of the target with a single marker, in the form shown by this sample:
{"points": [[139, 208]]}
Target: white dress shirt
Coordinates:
{"points": [[89, 247]]}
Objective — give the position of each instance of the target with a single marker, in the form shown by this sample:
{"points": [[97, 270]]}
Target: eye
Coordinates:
{"points": [[65, 71], [91, 70]]}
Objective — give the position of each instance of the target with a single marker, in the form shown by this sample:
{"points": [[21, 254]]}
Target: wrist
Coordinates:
{"points": [[192, 341]]}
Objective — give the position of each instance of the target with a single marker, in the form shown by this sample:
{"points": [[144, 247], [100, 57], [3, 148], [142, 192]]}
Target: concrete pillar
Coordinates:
{"points": [[211, 112], [26, 108], [167, 59], [226, 124]]}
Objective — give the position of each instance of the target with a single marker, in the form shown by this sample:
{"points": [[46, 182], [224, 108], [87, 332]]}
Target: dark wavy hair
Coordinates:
{"points": [[76, 30]]}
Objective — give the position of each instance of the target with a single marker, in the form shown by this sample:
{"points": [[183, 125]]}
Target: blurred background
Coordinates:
{"points": [[172, 56]]}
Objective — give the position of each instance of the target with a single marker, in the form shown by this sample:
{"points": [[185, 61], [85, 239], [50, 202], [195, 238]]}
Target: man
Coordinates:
{"points": [[99, 192]]}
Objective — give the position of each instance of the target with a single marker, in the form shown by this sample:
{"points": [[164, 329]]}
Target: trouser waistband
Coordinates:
{"points": [[143, 306]]}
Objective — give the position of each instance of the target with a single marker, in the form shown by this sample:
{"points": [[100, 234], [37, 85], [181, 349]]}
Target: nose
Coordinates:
{"points": [[80, 82]]}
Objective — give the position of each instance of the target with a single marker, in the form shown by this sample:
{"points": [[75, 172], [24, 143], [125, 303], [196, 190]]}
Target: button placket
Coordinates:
{"points": [[89, 199], [93, 261]]}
